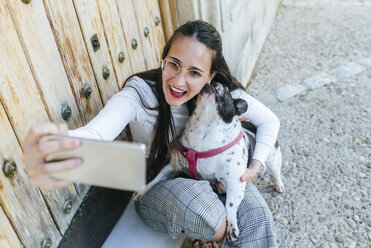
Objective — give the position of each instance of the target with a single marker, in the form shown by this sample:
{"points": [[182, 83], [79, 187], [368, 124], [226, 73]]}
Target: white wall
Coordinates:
{"points": [[243, 25]]}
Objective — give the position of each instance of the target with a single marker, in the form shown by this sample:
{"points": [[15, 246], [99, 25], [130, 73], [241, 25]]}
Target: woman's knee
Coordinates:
{"points": [[255, 218], [183, 206], [203, 211], [253, 207]]}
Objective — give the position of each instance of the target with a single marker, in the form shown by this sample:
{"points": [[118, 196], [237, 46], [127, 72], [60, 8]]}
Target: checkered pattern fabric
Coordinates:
{"points": [[184, 206], [255, 222]]}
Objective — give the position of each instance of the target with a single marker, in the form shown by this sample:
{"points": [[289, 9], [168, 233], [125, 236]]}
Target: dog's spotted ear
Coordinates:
{"points": [[240, 106]]}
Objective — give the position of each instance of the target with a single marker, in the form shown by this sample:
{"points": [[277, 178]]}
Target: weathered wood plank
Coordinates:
{"points": [[75, 57], [21, 201], [115, 38], [41, 51], [18, 91], [169, 19], [130, 29], [143, 20], [157, 28], [91, 24], [22, 102], [8, 238], [70, 41]]}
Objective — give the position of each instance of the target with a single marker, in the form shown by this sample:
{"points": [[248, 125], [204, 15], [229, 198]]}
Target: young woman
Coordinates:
{"points": [[154, 104]]}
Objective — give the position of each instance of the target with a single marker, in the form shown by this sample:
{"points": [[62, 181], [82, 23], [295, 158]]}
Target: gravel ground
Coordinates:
{"points": [[325, 133]]}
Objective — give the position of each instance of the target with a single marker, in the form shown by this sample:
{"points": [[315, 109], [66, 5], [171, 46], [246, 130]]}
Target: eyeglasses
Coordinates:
{"points": [[172, 68]]}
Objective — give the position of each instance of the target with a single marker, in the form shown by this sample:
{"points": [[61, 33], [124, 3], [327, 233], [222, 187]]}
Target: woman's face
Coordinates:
{"points": [[194, 60]]}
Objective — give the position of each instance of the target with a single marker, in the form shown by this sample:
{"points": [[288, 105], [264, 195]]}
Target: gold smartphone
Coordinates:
{"points": [[118, 164]]}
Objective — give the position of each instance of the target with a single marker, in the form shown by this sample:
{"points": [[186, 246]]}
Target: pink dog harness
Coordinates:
{"points": [[193, 155]]}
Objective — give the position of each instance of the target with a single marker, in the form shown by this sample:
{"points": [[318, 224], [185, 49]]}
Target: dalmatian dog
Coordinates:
{"points": [[214, 141]]}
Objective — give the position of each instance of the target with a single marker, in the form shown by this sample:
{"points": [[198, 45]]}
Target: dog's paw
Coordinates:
{"points": [[137, 196], [279, 188], [232, 232]]}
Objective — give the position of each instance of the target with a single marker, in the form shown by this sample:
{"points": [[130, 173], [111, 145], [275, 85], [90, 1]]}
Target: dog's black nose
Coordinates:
{"points": [[207, 89]]}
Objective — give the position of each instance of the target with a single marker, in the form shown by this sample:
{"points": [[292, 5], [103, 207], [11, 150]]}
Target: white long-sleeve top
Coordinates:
{"points": [[125, 108]]}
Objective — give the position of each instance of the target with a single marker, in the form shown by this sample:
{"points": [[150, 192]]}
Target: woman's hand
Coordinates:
{"points": [[248, 176], [35, 152], [251, 172]]}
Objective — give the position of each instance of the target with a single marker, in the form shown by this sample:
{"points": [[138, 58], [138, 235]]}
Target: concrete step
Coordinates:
{"points": [[131, 231]]}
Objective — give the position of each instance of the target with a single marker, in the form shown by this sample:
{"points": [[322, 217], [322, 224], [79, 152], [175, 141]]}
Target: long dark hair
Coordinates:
{"points": [[205, 33]]}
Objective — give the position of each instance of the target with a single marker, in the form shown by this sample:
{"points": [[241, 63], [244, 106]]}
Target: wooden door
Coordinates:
{"points": [[61, 61]]}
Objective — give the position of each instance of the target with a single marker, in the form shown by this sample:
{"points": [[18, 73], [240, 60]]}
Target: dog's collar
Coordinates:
{"points": [[193, 155]]}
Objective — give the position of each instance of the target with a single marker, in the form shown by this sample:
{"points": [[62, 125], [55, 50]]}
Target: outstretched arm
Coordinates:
{"points": [[266, 122], [267, 125]]}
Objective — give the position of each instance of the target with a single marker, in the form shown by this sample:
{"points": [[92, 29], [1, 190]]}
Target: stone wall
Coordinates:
{"points": [[243, 25]]}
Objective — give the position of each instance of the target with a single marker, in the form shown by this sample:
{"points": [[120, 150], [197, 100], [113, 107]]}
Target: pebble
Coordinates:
{"points": [[294, 229], [367, 220], [347, 171], [332, 245], [350, 222], [357, 235], [365, 62], [324, 245], [328, 237], [322, 219], [339, 239], [351, 245]]}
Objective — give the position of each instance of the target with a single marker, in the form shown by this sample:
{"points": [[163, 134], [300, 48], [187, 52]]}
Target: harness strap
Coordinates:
{"points": [[192, 162], [216, 151], [193, 155]]}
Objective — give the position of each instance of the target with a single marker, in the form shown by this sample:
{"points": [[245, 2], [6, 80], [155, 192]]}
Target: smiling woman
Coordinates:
{"points": [[171, 68], [155, 105], [185, 73]]}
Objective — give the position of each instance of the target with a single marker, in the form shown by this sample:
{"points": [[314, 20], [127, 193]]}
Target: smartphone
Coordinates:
{"points": [[117, 164]]}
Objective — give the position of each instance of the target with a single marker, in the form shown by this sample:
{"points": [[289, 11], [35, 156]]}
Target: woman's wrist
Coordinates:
{"points": [[252, 171], [255, 165]]}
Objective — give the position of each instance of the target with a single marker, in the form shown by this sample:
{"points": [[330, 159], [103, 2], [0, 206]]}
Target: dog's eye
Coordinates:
{"points": [[219, 90]]}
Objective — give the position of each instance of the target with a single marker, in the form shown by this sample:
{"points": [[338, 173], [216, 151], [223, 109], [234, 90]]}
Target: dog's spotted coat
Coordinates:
{"points": [[213, 123]]}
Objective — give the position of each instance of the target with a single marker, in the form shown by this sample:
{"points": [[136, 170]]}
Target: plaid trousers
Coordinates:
{"points": [[184, 206]]}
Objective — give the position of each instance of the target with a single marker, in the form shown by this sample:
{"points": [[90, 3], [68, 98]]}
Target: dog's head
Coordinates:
{"points": [[215, 96]]}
